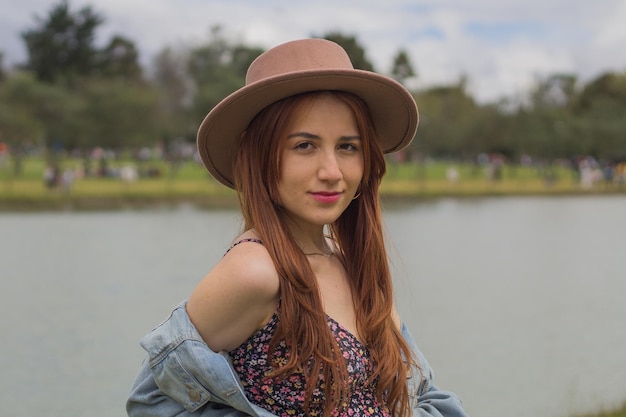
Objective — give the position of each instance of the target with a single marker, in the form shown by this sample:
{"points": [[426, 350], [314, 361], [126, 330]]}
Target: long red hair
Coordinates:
{"points": [[359, 236]]}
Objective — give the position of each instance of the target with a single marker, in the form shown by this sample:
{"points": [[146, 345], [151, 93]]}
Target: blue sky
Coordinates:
{"points": [[501, 46]]}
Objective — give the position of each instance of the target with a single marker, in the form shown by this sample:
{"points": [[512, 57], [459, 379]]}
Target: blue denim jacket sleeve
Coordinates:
{"points": [[147, 399], [427, 400], [182, 377]]}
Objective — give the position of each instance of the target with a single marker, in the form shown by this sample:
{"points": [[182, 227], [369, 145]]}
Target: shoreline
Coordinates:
{"points": [[68, 201], [617, 412], [190, 185]]}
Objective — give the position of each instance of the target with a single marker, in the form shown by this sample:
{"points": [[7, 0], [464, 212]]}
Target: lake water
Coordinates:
{"points": [[518, 303]]}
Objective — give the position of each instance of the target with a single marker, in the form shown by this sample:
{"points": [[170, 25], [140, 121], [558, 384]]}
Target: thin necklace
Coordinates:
{"points": [[327, 255]]}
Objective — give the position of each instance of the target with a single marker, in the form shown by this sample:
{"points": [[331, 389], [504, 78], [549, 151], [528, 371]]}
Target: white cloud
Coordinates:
{"points": [[584, 38]]}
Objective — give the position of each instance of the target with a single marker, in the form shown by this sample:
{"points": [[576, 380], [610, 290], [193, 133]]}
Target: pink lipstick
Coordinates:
{"points": [[326, 197]]}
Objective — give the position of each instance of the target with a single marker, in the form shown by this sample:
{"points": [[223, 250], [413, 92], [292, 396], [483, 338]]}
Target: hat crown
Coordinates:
{"points": [[298, 56]]}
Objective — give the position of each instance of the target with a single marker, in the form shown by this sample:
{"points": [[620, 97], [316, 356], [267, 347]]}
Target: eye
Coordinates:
{"points": [[349, 146], [303, 146]]}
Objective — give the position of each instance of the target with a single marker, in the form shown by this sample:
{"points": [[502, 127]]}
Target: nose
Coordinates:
{"points": [[329, 169]]}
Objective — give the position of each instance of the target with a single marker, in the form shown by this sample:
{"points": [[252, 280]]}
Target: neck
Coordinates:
{"points": [[315, 246], [310, 239], [328, 254]]}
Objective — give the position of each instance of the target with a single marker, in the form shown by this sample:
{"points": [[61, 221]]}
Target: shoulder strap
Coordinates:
{"points": [[244, 241]]}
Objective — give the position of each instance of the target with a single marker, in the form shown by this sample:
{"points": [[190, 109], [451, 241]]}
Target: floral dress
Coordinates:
{"points": [[285, 397]]}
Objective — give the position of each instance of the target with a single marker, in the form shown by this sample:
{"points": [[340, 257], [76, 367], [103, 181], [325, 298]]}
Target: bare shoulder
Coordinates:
{"points": [[249, 266], [236, 298]]}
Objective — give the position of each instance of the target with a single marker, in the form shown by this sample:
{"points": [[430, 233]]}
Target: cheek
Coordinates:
{"points": [[294, 170], [358, 171], [287, 185]]}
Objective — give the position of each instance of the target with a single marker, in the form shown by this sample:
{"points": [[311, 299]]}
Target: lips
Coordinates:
{"points": [[326, 197]]}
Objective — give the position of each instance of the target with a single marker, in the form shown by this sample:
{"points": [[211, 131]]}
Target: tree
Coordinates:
{"points": [[217, 68], [18, 121], [119, 59], [175, 90], [355, 51], [3, 74], [62, 46], [447, 117], [556, 91], [35, 114], [601, 116], [402, 68], [241, 57], [119, 115], [548, 131]]}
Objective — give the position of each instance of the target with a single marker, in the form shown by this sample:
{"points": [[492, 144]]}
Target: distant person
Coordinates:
{"points": [[4, 154], [298, 317], [67, 179], [452, 174], [620, 174], [51, 176]]}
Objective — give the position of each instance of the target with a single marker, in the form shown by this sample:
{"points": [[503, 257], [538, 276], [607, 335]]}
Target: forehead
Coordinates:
{"points": [[324, 109]]}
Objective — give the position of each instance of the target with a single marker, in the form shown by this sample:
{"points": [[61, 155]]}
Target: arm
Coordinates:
{"points": [[428, 400], [236, 298]]}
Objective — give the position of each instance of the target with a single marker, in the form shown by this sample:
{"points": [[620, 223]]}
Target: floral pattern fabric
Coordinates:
{"points": [[285, 397]]}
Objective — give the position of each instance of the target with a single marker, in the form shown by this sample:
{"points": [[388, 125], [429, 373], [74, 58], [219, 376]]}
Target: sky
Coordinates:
{"points": [[502, 47]]}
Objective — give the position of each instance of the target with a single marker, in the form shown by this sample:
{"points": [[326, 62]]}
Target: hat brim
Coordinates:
{"points": [[392, 108]]}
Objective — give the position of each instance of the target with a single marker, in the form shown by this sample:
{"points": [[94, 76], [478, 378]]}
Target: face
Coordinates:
{"points": [[321, 163]]}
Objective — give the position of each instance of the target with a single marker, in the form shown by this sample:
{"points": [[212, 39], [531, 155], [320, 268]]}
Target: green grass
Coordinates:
{"points": [[191, 183]]}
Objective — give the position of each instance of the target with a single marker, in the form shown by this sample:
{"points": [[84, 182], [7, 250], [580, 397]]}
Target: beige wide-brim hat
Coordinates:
{"points": [[297, 67]]}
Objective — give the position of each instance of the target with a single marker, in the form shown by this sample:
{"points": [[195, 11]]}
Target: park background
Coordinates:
{"points": [[87, 123]]}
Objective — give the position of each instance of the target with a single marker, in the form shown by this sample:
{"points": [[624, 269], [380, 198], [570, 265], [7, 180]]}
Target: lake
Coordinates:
{"points": [[518, 303]]}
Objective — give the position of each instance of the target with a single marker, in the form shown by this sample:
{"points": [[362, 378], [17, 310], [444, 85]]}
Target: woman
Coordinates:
{"points": [[300, 308]]}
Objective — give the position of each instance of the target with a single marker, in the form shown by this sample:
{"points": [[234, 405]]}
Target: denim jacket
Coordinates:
{"points": [[182, 377]]}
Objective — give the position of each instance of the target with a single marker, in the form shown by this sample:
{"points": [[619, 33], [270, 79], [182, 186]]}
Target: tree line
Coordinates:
{"points": [[72, 95]]}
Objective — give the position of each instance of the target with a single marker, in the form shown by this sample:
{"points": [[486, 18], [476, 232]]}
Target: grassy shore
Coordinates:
{"points": [[621, 412], [189, 183]]}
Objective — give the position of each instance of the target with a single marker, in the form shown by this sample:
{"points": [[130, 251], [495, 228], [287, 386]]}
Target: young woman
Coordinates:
{"points": [[297, 319]]}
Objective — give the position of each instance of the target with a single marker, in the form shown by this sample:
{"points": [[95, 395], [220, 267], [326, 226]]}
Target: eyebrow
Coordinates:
{"points": [[308, 135]]}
